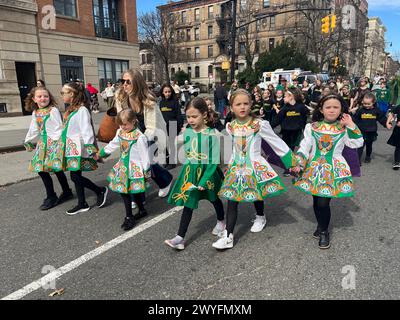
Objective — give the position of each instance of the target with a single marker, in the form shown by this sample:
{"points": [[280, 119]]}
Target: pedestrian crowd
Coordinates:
{"points": [[324, 129]]}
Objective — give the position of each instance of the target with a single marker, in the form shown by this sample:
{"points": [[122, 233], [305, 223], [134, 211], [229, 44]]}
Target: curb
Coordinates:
{"points": [[12, 148]]}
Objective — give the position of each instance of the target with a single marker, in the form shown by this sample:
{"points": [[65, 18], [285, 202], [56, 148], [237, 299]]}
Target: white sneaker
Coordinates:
{"points": [[164, 192], [219, 229], [224, 242], [177, 243], [259, 224]]}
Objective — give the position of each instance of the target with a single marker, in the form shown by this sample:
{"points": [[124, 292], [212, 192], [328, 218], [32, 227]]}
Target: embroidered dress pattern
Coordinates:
{"points": [[249, 177], [200, 169], [325, 172]]}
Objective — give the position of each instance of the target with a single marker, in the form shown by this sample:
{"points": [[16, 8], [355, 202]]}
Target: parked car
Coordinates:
{"points": [[312, 77]]}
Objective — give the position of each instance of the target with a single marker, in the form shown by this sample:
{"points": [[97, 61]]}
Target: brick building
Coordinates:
{"points": [[93, 40]]}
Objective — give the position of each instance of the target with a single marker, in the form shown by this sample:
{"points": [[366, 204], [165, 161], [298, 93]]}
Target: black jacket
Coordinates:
{"points": [[291, 117], [366, 119], [171, 111]]}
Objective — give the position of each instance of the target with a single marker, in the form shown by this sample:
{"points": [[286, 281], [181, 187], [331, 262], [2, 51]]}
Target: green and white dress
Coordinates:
{"points": [[133, 167], [201, 168], [76, 146], [46, 125], [249, 176], [325, 172]]}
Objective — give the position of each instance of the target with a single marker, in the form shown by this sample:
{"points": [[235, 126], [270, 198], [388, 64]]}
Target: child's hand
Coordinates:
{"points": [[96, 157], [201, 188], [389, 125], [347, 121]]}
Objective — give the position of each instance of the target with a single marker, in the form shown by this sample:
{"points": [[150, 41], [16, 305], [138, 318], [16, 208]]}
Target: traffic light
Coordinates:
{"points": [[325, 24], [333, 22], [336, 63]]}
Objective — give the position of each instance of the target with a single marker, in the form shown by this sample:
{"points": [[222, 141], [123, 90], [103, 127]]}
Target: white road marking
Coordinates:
{"points": [[19, 294]]}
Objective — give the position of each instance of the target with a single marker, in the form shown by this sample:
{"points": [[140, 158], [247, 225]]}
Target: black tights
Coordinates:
{"points": [[322, 212], [48, 183], [368, 145], [187, 216], [231, 215], [81, 183], [397, 154], [127, 198]]}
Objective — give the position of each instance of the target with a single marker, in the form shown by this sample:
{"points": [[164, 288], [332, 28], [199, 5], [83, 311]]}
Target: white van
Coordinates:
{"points": [[274, 77]]}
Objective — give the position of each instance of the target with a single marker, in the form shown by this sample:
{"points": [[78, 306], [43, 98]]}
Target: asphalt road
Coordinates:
{"points": [[282, 262]]}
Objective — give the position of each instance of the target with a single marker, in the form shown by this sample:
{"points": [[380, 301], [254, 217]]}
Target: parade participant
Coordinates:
{"points": [[346, 95], [306, 90], [46, 125], [359, 93], [323, 171], [128, 176], [233, 88], [394, 139], [200, 177], [215, 122], [249, 177], [279, 103], [220, 98], [108, 94], [292, 118], [257, 107], [366, 118], [383, 97], [76, 148], [268, 104], [135, 94], [316, 92], [171, 111]]}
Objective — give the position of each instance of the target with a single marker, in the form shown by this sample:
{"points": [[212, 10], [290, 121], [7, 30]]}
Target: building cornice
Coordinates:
{"points": [[25, 5], [185, 4]]}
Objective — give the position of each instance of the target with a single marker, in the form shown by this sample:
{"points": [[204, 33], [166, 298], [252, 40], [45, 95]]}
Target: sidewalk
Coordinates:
{"points": [[14, 129]]}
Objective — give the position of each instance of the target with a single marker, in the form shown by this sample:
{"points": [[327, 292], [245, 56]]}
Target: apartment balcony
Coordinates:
{"points": [[110, 29]]}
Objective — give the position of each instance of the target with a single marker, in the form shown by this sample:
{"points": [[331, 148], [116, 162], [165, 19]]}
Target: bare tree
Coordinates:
{"points": [[159, 29]]}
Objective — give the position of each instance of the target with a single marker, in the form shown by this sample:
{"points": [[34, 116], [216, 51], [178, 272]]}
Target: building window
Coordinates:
{"points": [[71, 68], [210, 51], [210, 12], [183, 16], [111, 70], [197, 52], [243, 5], [65, 7], [106, 20], [187, 34], [257, 46], [172, 72], [197, 72], [197, 34], [266, 3], [189, 53], [258, 25], [242, 48], [143, 59], [149, 58], [197, 14], [190, 72], [272, 23], [148, 75], [210, 71], [210, 32], [271, 43]]}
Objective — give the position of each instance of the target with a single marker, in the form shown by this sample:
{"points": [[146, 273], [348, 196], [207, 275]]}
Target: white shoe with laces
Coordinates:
{"points": [[219, 229], [177, 243], [259, 224], [164, 192], [224, 242]]}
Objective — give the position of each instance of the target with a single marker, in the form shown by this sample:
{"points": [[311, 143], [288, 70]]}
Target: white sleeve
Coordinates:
{"points": [[54, 124], [33, 131], [144, 152], [113, 145], [85, 126], [353, 138], [276, 143], [303, 153]]}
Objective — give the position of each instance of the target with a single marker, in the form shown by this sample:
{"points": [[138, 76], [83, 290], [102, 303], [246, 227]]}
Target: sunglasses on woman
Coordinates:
{"points": [[126, 81]]}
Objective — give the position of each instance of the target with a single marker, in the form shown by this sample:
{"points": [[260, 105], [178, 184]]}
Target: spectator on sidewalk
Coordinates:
{"points": [[220, 98]]}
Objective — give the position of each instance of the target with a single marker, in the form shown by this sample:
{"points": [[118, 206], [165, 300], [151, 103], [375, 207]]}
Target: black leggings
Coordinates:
{"points": [[397, 154], [81, 183], [127, 198], [322, 212], [48, 183], [231, 215], [369, 138], [187, 216]]}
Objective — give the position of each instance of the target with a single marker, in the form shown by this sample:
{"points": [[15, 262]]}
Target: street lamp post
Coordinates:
{"points": [[233, 40]]}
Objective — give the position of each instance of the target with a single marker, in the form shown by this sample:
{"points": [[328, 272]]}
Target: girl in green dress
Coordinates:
{"points": [[249, 177], [324, 172], [200, 177], [46, 125]]}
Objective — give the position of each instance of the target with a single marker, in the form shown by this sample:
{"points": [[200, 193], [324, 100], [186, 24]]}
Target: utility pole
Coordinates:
{"points": [[233, 39]]}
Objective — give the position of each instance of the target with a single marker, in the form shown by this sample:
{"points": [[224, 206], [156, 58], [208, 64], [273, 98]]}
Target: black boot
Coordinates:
{"points": [[128, 224], [49, 203], [324, 240], [317, 233]]}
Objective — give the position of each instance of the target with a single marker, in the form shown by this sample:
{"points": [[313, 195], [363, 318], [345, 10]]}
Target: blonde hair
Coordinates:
{"points": [[241, 92], [126, 115], [140, 91]]}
